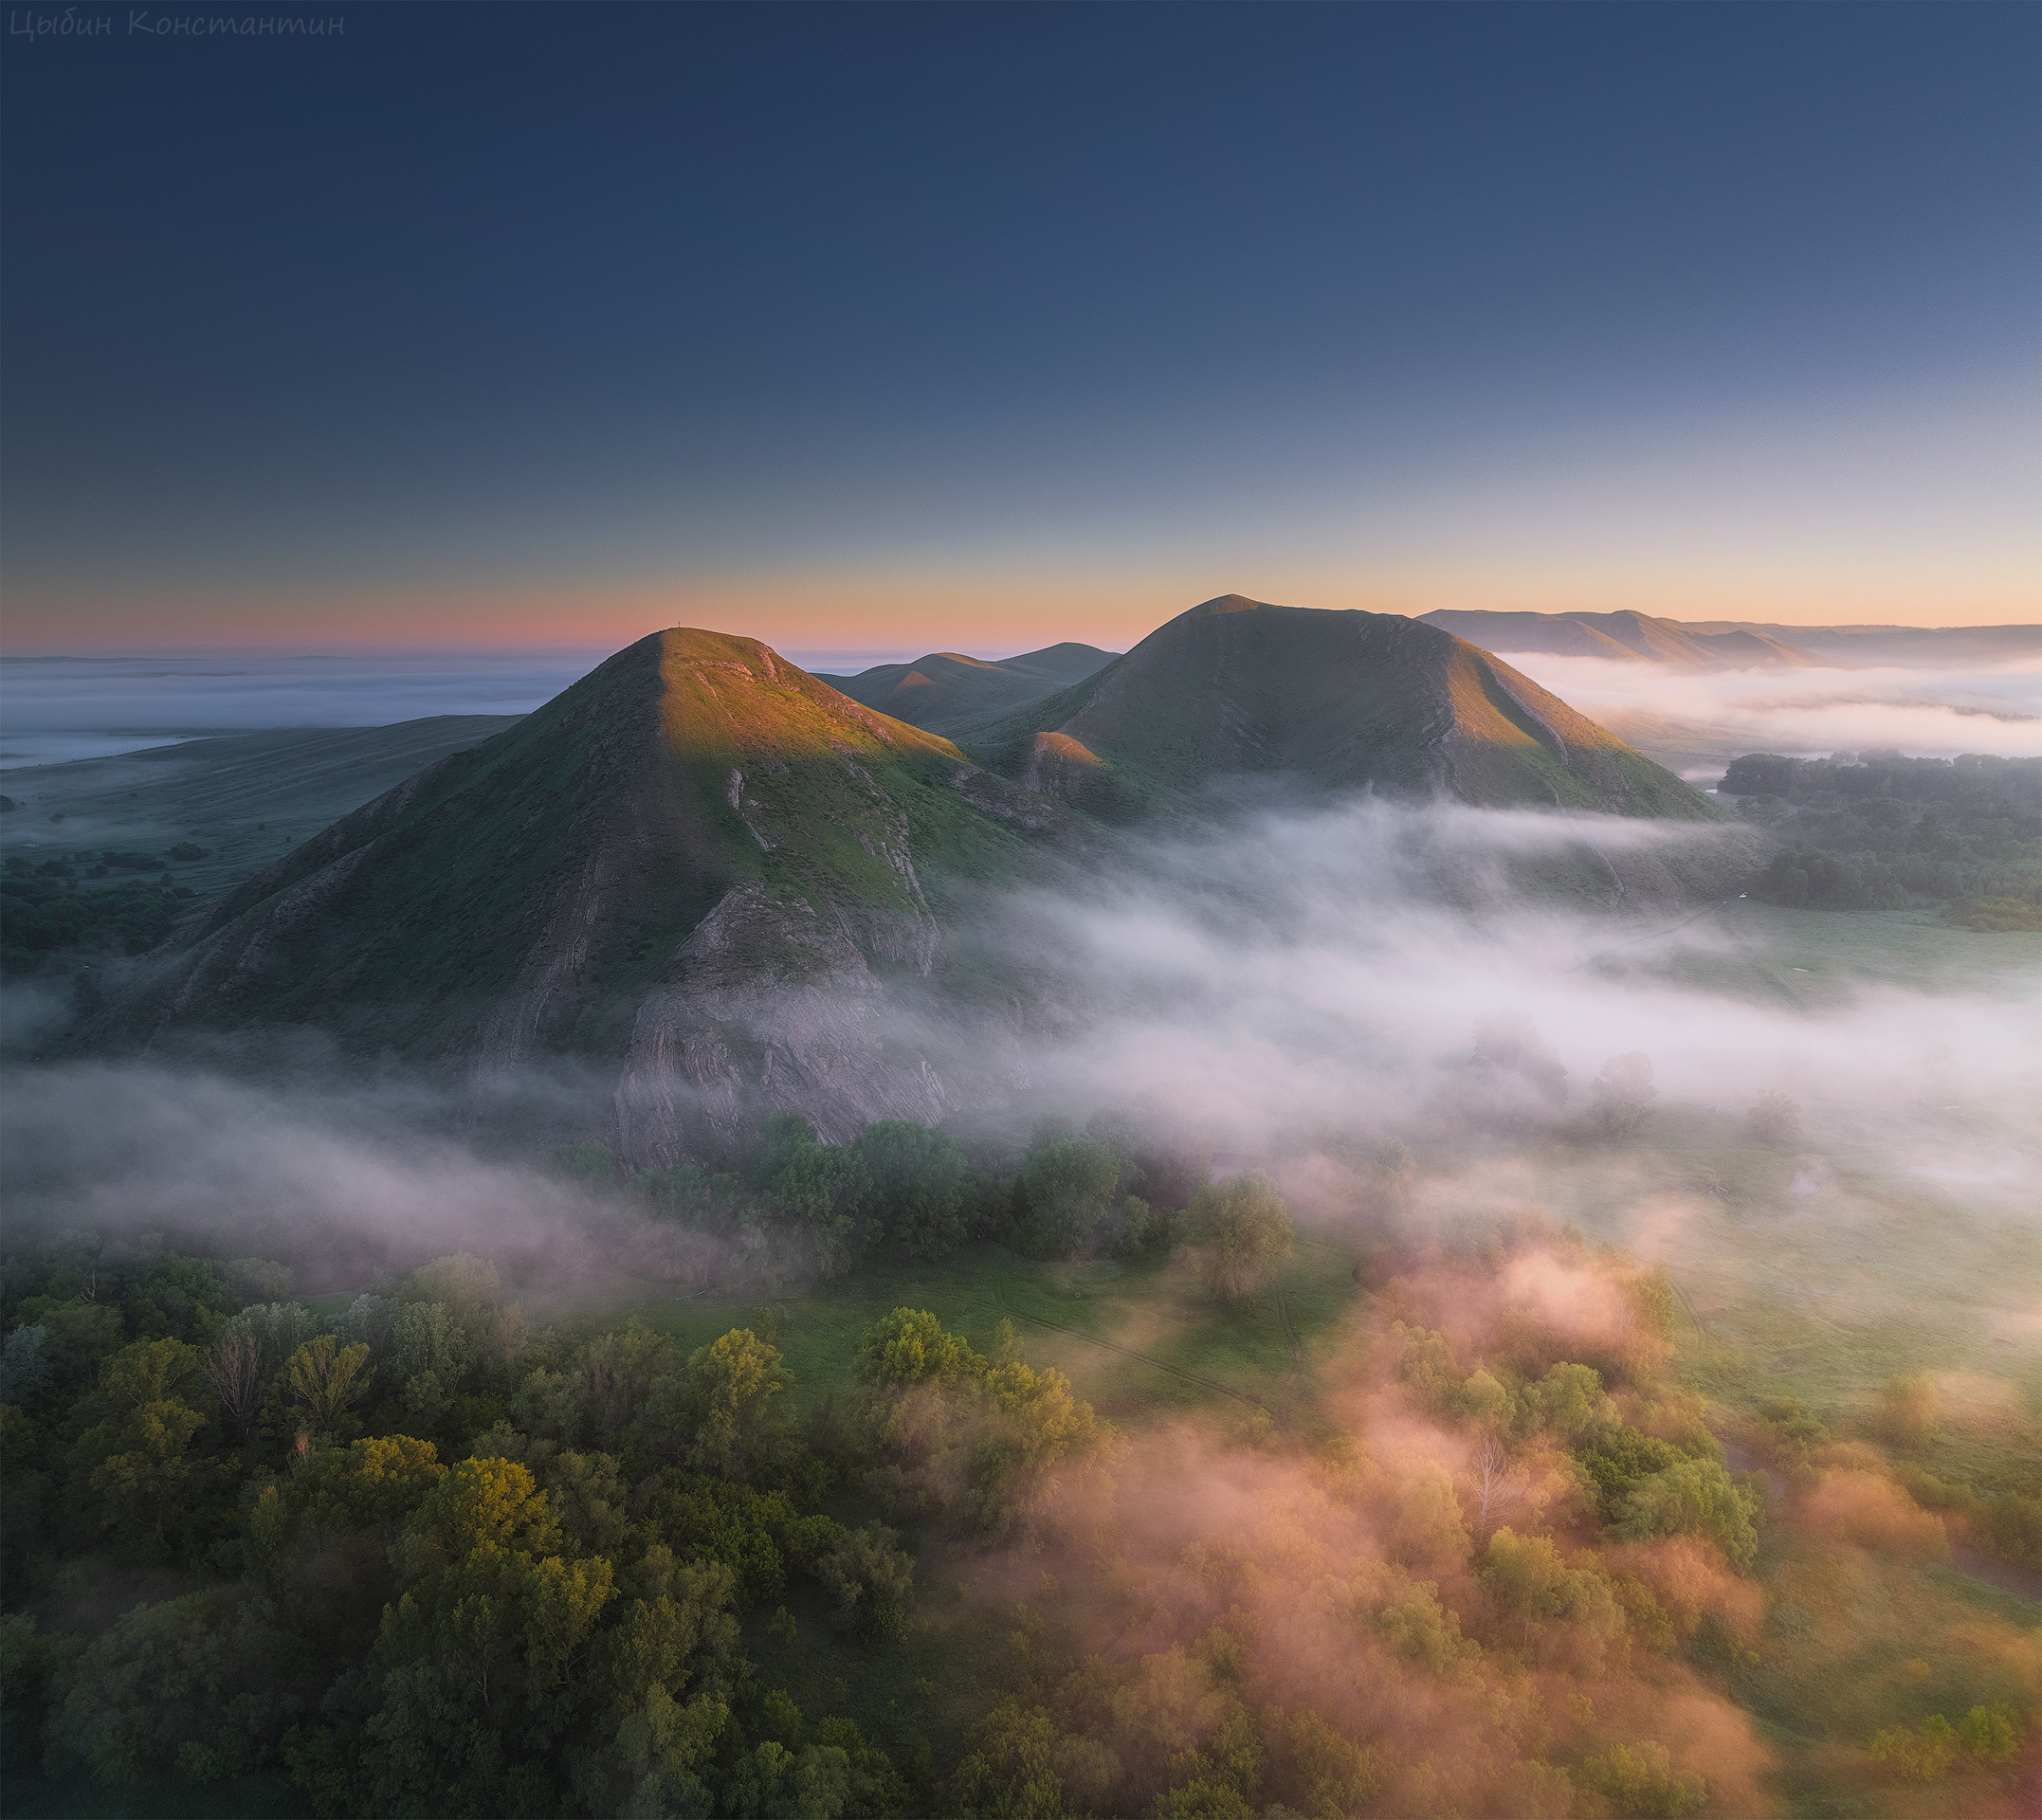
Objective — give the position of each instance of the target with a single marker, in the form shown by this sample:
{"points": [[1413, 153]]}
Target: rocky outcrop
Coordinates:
{"points": [[766, 1007]]}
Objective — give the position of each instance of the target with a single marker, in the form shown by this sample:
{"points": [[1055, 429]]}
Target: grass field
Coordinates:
{"points": [[1140, 1341]]}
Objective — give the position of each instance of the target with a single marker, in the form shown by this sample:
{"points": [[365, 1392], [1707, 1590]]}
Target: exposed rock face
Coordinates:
{"points": [[766, 1007]]}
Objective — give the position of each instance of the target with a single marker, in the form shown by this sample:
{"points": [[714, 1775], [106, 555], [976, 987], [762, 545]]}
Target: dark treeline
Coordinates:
{"points": [[796, 1206], [53, 909], [422, 1559], [1873, 832]]}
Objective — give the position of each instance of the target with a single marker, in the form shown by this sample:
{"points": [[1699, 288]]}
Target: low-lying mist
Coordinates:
{"points": [[1367, 970], [1921, 711]]}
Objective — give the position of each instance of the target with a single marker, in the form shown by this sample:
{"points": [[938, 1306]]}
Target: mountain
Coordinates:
{"points": [[946, 692], [698, 865], [1625, 637], [1330, 701], [724, 889]]}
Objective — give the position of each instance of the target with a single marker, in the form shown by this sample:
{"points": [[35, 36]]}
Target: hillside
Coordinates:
{"points": [[1237, 689], [946, 692], [1628, 637], [699, 862]]}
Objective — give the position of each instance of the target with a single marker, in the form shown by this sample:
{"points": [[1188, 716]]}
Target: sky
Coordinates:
{"points": [[872, 330]]}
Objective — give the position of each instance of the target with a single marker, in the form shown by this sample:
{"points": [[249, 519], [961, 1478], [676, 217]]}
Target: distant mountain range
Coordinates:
{"points": [[735, 886], [1734, 644]]}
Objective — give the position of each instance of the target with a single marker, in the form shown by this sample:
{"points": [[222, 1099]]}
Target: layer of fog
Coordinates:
{"points": [[1310, 971], [60, 708], [1331, 967], [1925, 712]]}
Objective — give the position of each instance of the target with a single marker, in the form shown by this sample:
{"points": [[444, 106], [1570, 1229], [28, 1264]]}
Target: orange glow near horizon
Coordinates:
{"points": [[977, 614]]}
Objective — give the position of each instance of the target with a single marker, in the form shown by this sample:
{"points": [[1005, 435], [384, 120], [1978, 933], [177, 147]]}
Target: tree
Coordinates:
{"points": [[870, 1578], [327, 1379], [910, 1346], [1514, 1080], [1069, 1185], [1498, 1487], [428, 1356], [138, 1456], [815, 1189], [1238, 1229], [237, 1375], [25, 1367], [911, 1195], [1567, 1401], [280, 1328], [1643, 1780], [1774, 1118], [1907, 1411], [730, 1387], [192, 1684], [1010, 1770], [1694, 1497], [1622, 1095]]}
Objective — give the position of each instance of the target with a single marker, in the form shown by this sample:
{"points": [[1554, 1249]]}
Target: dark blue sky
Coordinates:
{"points": [[842, 323]]}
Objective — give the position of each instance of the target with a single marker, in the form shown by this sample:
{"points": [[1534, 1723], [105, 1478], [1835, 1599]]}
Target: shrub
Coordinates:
{"points": [[1642, 1781], [1925, 1755], [1775, 1118]]}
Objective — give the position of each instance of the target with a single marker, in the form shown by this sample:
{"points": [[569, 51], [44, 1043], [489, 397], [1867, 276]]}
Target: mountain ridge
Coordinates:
{"points": [[1338, 701]]}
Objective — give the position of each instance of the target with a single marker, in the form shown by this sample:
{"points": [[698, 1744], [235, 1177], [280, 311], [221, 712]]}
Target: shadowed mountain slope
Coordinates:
{"points": [[699, 861], [945, 691], [1334, 701], [1624, 636]]}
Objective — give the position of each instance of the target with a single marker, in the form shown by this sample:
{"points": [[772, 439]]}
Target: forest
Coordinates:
{"points": [[1872, 831], [1515, 1535]]}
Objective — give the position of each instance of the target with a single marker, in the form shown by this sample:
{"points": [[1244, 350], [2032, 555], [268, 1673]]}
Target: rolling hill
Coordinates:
{"points": [[247, 798]]}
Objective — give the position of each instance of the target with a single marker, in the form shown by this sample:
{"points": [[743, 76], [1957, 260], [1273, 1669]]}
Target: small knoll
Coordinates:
{"points": [[946, 692]]}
